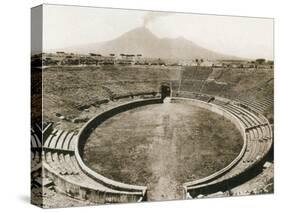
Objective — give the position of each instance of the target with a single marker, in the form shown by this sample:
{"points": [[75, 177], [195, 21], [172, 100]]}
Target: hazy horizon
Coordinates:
{"points": [[68, 26]]}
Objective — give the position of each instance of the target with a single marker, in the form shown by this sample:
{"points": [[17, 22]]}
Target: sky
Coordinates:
{"points": [[67, 26]]}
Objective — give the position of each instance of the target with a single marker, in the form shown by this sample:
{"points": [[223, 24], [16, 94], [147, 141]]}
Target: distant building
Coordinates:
{"points": [[207, 63], [60, 54]]}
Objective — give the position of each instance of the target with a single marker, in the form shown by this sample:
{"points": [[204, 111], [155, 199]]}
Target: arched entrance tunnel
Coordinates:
{"points": [[165, 91]]}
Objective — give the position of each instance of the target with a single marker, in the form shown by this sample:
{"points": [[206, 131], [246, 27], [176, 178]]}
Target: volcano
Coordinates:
{"points": [[142, 41]]}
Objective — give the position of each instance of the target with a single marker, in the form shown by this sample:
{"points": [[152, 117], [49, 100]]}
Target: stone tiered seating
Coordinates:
{"points": [[203, 80], [242, 115], [35, 160], [259, 106], [203, 74], [213, 88], [61, 166], [216, 73], [175, 84], [124, 89], [66, 166], [65, 141], [50, 137], [37, 131], [54, 140], [192, 95], [36, 148], [258, 143], [204, 98], [191, 85], [35, 139], [187, 94], [196, 73], [61, 140], [259, 98]]}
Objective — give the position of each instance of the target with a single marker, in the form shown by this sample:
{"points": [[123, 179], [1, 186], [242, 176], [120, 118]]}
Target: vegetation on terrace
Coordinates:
{"points": [[67, 90]]}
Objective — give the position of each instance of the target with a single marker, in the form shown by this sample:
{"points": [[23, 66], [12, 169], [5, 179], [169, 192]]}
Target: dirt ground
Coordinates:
{"points": [[162, 146]]}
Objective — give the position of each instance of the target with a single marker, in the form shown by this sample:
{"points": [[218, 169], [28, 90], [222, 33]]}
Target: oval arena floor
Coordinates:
{"points": [[162, 146]]}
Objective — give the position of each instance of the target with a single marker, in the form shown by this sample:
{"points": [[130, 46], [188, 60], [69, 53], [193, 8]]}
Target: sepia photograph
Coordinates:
{"points": [[135, 106]]}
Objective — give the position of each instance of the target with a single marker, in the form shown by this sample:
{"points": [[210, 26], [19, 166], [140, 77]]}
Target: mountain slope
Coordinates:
{"points": [[142, 41]]}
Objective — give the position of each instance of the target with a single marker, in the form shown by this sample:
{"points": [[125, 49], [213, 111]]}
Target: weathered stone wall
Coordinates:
{"points": [[94, 195]]}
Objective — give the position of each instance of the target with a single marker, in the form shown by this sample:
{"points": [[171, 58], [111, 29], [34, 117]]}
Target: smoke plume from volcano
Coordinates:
{"points": [[152, 16]]}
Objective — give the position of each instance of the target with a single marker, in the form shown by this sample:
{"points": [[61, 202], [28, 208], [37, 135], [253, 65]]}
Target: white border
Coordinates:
{"points": [[15, 101]]}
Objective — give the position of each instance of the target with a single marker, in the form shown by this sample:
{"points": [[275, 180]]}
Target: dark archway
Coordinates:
{"points": [[165, 91]]}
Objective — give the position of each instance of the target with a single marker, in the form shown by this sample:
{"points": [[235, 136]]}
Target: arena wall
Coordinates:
{"points": [[95, 195], [206, 185]]}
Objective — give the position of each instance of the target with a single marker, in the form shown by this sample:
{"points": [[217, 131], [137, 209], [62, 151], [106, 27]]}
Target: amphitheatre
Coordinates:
{"points": [[118, 133]]}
